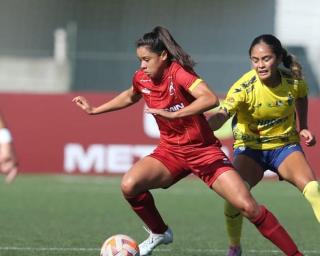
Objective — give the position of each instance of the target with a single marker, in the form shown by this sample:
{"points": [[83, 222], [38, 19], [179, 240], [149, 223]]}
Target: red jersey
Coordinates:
{"points": [[173, 93]]}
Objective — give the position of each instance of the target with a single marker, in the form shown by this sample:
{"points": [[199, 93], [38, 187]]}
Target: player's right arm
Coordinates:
{"points": [[227, 108], [217, 119], [123, 100]]}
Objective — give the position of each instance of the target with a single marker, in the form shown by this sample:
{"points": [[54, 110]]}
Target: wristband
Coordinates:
{"points": [[5, 136]]}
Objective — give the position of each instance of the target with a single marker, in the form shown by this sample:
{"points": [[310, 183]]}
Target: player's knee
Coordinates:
{"points": [[129, 186], [230, 210], [250, 209]]}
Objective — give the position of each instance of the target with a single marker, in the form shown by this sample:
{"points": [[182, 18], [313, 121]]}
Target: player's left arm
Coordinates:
{"points": [[205, 99], [302, 112]]}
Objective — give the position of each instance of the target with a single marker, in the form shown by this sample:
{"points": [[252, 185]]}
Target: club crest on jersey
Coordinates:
{"points": [[171, 87]]}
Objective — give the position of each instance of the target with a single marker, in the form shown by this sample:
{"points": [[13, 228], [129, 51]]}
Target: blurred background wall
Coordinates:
{"points": [[52, 49], [81, 45]]}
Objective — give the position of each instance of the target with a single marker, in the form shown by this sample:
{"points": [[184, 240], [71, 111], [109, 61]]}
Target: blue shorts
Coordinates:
{"points": [[268, 159]]}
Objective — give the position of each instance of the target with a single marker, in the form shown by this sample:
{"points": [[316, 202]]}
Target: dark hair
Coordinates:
{"points": [[288, 60], [159, 40]]}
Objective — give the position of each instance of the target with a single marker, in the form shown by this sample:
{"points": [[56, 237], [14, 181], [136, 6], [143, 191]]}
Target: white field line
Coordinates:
{"points": [[189, 250]]}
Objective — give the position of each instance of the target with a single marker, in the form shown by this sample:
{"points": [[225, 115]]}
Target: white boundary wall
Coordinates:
{"points": [[297, 23]]}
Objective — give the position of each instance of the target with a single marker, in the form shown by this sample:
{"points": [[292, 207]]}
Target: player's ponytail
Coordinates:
{"points": [[288, 60], [159, 40]]}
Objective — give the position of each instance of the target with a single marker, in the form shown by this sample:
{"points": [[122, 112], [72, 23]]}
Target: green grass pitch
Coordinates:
{"points": [[72, 215]]}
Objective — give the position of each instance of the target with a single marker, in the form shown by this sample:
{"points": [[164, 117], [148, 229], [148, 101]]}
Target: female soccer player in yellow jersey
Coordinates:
{"points": [[264, 103]]}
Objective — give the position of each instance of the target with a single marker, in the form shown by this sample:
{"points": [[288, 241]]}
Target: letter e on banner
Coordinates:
{"points": [[120, 158]]}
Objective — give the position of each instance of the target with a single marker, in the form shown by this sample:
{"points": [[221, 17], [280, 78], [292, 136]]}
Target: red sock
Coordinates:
{"points": [[144, 207], [271, 229]]}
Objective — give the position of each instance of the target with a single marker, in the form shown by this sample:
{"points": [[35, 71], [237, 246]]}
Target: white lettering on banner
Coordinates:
{"points": [[119, 158], [99, 158], [75, 157], [103, 158]]}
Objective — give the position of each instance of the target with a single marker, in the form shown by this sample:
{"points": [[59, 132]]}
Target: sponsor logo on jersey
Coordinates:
{"points": [[269, 123], [145, 80], [175, 107], [280, 103]]}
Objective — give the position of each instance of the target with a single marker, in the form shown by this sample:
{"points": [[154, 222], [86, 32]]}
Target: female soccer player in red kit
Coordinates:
{"points": [[177, 98]]}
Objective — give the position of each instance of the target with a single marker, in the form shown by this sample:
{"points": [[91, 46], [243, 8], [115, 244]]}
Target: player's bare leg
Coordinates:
{"points": [[146, 174], [251, 172]]}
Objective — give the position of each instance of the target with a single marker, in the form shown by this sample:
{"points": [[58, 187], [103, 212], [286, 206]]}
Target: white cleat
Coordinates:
{"points": [[154, 240]]}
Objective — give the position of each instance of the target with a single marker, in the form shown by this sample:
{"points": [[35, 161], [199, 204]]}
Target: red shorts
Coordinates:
{"points": [[205, 162]]}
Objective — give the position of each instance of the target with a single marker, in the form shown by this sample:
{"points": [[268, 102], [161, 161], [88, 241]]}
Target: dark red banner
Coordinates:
{"points": [[52, 135]]}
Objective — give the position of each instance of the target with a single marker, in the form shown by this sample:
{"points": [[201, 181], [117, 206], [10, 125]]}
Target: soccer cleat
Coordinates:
{"points": [[147, 246], [234, 251]]}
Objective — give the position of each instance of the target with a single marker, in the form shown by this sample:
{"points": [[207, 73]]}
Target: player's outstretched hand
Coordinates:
{"points": [[83, 103], [310, 139]]}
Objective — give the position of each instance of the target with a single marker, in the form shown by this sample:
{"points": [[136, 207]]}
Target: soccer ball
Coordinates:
{"points": [[120, 245]]}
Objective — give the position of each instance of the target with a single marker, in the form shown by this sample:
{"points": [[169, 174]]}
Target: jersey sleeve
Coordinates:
{"points": [[186, 79], [302, 89], [235, 96], [135, 85]]}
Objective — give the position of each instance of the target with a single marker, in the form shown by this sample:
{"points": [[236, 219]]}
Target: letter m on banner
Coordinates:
{"points": [[77, 158]]}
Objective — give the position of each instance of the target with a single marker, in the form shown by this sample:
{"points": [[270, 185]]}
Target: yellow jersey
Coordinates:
{"points": [[264, 117]]}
